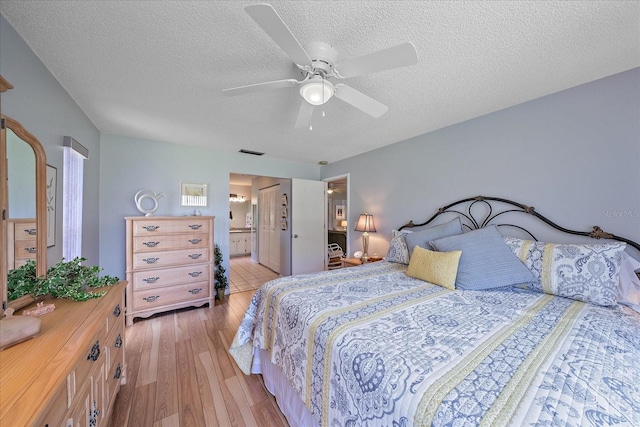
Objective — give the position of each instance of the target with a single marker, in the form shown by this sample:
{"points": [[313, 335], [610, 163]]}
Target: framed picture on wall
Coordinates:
{"points": [[194, 194], [340, 213], [52, 178]]}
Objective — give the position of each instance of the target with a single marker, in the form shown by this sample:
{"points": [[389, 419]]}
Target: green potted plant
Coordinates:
{"points": [[66, 279], [220, 279]]}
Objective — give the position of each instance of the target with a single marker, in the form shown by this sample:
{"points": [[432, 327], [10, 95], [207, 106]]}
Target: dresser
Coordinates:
{"points": [[169, 264], [70, 373], [21, 242]]}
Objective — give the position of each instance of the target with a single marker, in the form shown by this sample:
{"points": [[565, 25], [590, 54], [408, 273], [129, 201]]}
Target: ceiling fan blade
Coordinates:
{"points": [[386, 59], [360, 100], [304, 114], [277, 84], [274, 26]]}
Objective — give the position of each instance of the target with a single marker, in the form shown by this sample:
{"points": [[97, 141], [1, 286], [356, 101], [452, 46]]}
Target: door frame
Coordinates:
{"points": [[350, 222]]}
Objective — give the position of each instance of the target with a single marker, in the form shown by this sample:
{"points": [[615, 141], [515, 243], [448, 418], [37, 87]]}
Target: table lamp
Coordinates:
{"points": [[365, 224], [343, 224]]}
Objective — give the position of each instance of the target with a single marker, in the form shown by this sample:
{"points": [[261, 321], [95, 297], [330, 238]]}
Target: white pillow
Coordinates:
{"points": [[629, 286]]}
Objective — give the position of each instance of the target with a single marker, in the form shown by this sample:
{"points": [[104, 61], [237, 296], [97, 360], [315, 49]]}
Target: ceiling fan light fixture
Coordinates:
{"points": [[317, 91]]}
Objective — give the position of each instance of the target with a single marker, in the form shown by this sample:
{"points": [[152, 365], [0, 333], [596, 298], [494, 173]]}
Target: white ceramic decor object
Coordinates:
{"points": [[147, 194]]}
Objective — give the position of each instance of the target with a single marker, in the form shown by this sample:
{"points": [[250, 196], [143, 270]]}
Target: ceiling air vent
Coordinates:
{"points": [[255, 153]]}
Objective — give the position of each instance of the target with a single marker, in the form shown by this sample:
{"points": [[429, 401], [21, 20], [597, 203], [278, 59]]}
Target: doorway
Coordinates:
{"points": [[299, 240], [338, 211]]}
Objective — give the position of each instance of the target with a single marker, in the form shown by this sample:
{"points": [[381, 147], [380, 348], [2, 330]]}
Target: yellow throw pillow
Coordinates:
{"points": [[440, 268]]}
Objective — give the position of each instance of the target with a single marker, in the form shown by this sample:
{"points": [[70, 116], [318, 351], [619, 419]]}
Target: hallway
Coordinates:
{"points": [[247, 275]]}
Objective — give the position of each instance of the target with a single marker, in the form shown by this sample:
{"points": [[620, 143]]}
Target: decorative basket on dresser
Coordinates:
{"points": [[169, 264]]}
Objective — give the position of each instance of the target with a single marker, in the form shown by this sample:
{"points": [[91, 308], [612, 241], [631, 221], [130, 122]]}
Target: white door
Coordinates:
{"points": [[308, 226], [274, 230], [269, 237]]}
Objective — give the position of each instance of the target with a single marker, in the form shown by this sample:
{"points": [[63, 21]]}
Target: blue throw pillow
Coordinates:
{"points": [[486, 261], [423, 237]]}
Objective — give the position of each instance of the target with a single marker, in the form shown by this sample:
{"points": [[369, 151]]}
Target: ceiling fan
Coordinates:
{"points": [[317, 64]]}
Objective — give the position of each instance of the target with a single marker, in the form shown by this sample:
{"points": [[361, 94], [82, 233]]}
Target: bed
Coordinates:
{"points": [[553, 340]]}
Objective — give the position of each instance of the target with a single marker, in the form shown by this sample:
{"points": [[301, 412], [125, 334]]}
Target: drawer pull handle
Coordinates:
{"points": [[118, 372], [118, 343], [194, 226], [195, 273], [94, 413], [195, 241], [30, 231], [31, 250], [117, 311], [151, 260], [151, 279], [151, 227], [195, 256], [195, 291], [151, 298], [95, 352], [151, 244]]}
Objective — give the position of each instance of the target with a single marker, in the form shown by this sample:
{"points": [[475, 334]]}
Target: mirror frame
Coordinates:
{"points": [[41, 198]]}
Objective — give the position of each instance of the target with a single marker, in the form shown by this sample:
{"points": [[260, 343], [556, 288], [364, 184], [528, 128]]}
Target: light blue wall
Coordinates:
{"points": [[47, 111], [574, 155], [129, 165]]}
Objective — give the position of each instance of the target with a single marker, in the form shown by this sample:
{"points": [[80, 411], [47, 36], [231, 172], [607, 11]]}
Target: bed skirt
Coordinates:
{"points": [[288, 401]]}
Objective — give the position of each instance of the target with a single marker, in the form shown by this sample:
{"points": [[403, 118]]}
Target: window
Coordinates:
{"points": [[73, 168]]}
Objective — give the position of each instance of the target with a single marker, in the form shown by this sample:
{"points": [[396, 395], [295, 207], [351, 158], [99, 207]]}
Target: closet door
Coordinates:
{"points": [[263, 228], [274, 230], [269, 236]]}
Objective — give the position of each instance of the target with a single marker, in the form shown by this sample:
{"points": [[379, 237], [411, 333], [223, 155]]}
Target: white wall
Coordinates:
{"points": [[574, 155]]}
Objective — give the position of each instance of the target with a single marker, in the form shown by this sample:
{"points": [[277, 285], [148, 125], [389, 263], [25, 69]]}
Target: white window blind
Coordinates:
{"points": [[73, 168]]}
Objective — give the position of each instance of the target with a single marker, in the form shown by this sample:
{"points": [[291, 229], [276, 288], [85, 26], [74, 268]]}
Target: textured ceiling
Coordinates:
{"points": [[155, 69]]}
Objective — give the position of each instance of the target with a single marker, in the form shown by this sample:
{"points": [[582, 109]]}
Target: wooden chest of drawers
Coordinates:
{"points": [[169, 264], [21, 237], [68, 374]]}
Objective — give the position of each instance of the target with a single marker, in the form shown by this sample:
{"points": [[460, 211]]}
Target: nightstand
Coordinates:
{"points": [[350, 262]]}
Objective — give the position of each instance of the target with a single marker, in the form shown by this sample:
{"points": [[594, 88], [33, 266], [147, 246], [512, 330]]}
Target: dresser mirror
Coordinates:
{"points": [[24, 205]]}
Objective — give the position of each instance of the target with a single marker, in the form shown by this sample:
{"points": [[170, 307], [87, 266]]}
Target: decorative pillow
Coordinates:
{"points": [[486, 261], [629, 286], [423, 237], [398, 251], [589, 273], [439, 268]]}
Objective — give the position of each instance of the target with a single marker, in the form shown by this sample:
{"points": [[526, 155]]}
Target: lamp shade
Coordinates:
{"points": [[365, 223]]}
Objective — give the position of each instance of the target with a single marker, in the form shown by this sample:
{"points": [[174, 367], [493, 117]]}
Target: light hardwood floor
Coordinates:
{"points": [[179, 372]]}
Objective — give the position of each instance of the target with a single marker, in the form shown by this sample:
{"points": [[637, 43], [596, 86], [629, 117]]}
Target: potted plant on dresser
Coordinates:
{"points": [[220, 279]]}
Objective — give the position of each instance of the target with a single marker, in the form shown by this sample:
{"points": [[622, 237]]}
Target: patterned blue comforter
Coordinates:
{"points": [[370, 346]]}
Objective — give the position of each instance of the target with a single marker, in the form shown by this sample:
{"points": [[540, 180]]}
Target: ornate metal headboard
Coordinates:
{"points": [[489, 217]]}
